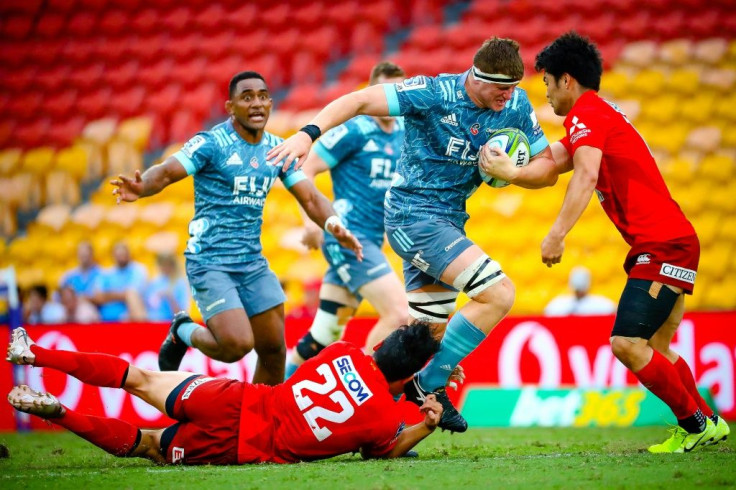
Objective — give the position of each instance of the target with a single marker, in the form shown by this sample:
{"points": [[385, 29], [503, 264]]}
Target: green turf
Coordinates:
{"points": [[481, 458]]}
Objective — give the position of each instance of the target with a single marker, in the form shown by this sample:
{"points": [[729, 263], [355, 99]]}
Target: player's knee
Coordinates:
{"points": [[394, 316], [234, 351], [481, 278], [500, 297], [628, 350], [275, 350]]}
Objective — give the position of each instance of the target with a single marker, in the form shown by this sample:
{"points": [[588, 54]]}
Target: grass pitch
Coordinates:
{"points": [[480, 458]]}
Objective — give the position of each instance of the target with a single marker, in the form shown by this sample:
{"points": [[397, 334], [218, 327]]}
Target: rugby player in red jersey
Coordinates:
{"points": [[340, 401], [607, 155]]}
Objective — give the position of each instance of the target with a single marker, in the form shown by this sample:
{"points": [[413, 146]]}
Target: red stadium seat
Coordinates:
{"points": [[365, 39], [242, 18], [16, 27], [276, 17], [359, 68], [668, 26], [301, 97], [148, 48], [20, 79], [177, 20], [114, 22], [134, 5], [184, 46], [324, 43], [49, 25], [219, 44], [31, 134], [202, 101], [121, 76], [145, 21], [426, 12], [61, 103], [309, 15], [165, 100], [94, 104], [190, 72], [87, 77], [64, 132], [28, 7], [77, 51], [128, 103], [381, 15], [81, 24], [634, 28], [182, 126], [426, 37], [94, 5], [25, 106], [7, 129], [156, 74], [337, 90], [209, 20], [343, 15]]}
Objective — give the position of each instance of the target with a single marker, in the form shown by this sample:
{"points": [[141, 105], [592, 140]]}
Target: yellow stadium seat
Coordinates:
{"points": [[38, 160], [676, 52], [631, 107], [10, 160], [670, 138], [640, 54], [100, 131], [136, 131], [648, 83], [123, 215], [704, 139], [164, 242], [684, 81], [711, 51], [699, 109], [123, 158], [8, 222], [281, 123], [170, 150], [714, 258], [25, 191], [661, 110], [89, 215], [707, 227], [157, 214], [717, 168], [727, 230], [96, 160], [54, 217], [679, 171], [721, 79], [61, 188], [74, 160]]}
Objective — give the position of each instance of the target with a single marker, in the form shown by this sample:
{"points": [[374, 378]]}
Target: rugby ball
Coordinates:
{"points": [[516, 145]]}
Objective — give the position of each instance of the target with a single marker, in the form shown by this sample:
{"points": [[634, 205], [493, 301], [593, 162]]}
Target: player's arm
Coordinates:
{"points": [[413, 435], [313, 235], [586, 164], [541, 171], [371, 101], [151, 182], [320, 211]]}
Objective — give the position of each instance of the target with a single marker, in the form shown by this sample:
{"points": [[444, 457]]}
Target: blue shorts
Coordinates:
{"points": [[252, 287], [345, 270], [427, 248]]}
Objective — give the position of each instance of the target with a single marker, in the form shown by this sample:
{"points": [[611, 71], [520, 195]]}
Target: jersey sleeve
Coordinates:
{"points": [[412, 96], [339, 144], [588, 128], [197, 152], [291, 176], [530, 125], [386, 436]]}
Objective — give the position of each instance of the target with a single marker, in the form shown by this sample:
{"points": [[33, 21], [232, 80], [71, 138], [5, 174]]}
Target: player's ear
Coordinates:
{"points": [[229, 106]]}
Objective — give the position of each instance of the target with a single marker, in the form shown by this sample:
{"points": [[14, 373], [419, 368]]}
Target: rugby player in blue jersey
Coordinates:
{"points": [[239, 297], [361, 156], [448, 119]]}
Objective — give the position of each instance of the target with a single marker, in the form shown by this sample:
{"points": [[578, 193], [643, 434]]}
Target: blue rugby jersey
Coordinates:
{"points": [[438, 169], [362, 160], [231, 181]]}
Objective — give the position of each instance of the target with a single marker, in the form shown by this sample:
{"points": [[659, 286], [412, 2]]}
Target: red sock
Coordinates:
{"points": [[93, 369], [661, 378], [112, 435], [686, 376]]}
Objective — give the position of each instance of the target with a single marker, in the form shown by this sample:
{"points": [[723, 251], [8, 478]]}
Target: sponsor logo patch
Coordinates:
{"points": [[450, 119], [177, 454], [234, 160], [679, 273], [419, 262], [351, 380], [193, 145], [192, 386], [643, 259]]}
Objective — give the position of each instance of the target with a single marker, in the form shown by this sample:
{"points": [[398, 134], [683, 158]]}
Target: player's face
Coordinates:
{"points": [[557, 95], [492, 96], [250, 104]]}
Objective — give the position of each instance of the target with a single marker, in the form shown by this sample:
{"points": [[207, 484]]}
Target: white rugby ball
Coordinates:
{"points": [[516, 145]]}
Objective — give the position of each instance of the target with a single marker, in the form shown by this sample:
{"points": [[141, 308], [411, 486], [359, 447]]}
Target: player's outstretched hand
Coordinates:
{"points": [[552, 249], [496, 163], [457, 377], [127, 189], [432, 410], [313, 237], [294, 147], [346, 239]]}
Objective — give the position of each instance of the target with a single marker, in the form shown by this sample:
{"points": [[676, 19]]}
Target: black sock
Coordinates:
{"points": [[694, 423], [714, 418]]}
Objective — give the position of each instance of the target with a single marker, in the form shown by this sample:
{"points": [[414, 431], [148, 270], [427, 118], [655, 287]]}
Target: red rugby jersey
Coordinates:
{"points": [[630, 186], [337, 402]]}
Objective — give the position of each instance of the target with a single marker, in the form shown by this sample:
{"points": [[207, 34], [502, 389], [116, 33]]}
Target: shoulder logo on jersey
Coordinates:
{"points": [[193, 145], [351, 380], [370, 146], [450, 119], [254, 162], [234, 159], [413, 83], [330, 139], [577, 130], [475, 129]]}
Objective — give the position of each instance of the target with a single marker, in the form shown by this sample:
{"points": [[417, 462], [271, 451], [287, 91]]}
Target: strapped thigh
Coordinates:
{"points": [[643, 308], [479, 276], [431, 306]]}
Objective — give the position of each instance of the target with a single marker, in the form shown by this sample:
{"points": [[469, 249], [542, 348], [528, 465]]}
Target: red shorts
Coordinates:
{"points": [[674, 263]]}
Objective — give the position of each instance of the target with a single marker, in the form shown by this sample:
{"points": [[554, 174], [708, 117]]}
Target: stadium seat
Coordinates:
{"points": [[128, 103], [81, 24], [63, 132], [648, 82], [721, 79], [100, 131], [136, 131], [123, 158], [711, 51], [38, 161], [73, 160], [61, 187], [683, 81], [639, 54], [10, 160]]}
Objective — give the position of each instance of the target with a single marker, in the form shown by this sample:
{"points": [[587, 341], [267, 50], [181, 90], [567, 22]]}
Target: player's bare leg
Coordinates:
{"points": [[387, 296], [228, 338], [268, 328]]}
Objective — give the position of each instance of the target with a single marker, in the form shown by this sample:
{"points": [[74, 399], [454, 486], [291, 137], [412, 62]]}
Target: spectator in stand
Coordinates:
{"points": [[82, 278], [77, 308], [581, 302], [38, 309], [167, 293], [118, 291]]}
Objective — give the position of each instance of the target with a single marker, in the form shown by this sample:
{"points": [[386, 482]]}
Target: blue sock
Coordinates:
{"points": [[461, 337], [290, 369], [185, 332]]}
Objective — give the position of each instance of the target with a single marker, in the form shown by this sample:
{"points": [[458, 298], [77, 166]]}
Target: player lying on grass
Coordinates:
{"points": [[340, 401]]}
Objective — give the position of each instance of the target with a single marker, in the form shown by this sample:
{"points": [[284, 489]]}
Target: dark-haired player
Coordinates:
{"points": [[608, 156], [238, 295], [340, 401], [447, 119]]}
